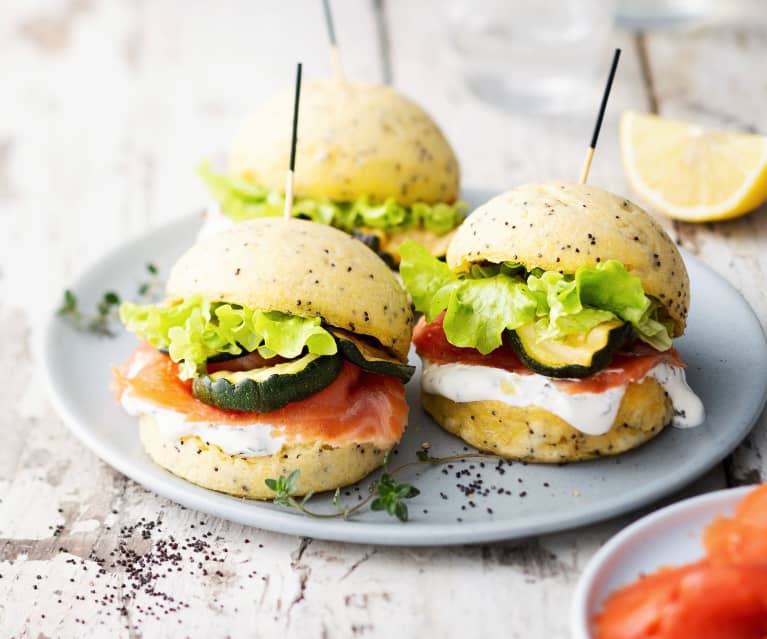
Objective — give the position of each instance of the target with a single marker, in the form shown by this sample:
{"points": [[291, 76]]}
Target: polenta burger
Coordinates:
{"points": [[371, 163], [281, 345], [547, 335]]}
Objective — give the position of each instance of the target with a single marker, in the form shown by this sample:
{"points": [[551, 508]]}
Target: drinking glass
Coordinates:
{"points": [[663, 14], [531, 55]]}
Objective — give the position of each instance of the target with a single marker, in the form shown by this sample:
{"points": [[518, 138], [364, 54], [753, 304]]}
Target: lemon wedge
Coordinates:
{"points": [[692, 174]]}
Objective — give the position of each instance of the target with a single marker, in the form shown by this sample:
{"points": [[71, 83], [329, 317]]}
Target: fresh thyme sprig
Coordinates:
{"points": [[147, 291], [99, 322], [391, 495], [284, 487], [385, 493]]}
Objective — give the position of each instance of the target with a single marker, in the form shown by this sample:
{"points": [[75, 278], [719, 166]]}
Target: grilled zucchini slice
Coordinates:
{"points": [[577, 355], [264, 390], [370, 357]]}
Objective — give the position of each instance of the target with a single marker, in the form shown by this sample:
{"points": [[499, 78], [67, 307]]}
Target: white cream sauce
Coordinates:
{"points": [[688, 409], [247, 440], [591, 413]]}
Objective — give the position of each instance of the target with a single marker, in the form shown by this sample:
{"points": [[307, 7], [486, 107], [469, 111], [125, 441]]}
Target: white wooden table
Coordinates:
{"points": [[105, 109]]}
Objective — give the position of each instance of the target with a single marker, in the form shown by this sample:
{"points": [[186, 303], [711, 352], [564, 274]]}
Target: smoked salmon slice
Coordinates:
{"points": [[742, 539], [358, 407], [697, 601], [731, 541], [629, 365], [753, 509]]}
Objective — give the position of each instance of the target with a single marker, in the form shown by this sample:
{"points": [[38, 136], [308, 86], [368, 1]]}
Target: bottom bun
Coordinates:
{"points": [[532, 433], [322, 467]]}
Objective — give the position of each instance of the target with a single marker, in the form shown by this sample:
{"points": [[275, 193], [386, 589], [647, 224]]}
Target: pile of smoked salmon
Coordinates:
{"points": [[722, 596]]}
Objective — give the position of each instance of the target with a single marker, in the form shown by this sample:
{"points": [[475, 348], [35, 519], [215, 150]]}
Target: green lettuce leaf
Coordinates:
{"points": [[481, 304], [287, 335], [479, 311], [612, 287], [561, 308], [424, 275], [240, 200], [198, 329]]}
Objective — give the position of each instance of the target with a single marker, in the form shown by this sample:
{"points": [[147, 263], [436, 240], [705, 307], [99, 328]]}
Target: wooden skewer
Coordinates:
{"points": [[288, 212], [335, 53], [587, 165], [602, 107]]}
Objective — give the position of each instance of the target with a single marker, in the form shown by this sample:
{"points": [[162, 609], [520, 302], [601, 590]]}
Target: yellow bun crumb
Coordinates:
{"points": [[559, 227], [303, 268], [321, 467], [534, 434], [353, 140]]}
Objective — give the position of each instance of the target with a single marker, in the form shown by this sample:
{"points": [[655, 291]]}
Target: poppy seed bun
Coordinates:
{"points": [[531, 433], [560, 227], [353, 140], [299, 267], [322, 467]]}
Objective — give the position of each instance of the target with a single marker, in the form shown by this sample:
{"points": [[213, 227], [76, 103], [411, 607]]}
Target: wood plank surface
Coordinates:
{"points": [[107, 107], [716, 77]]}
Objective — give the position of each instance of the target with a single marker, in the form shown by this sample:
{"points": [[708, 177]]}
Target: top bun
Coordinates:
{"points": [[559, 227], [353, 140], [299, 267]]}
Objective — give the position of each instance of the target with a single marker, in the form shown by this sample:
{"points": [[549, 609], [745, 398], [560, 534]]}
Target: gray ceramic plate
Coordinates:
{"points": [[728, 369]]}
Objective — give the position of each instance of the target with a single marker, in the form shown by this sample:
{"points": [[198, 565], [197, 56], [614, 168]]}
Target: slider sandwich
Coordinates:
{"points": [[281, 345], [372, 163], [547, 335]]}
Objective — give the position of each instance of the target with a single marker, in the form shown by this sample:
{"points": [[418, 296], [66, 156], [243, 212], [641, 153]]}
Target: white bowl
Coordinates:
{"points": [[670, 536]]}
